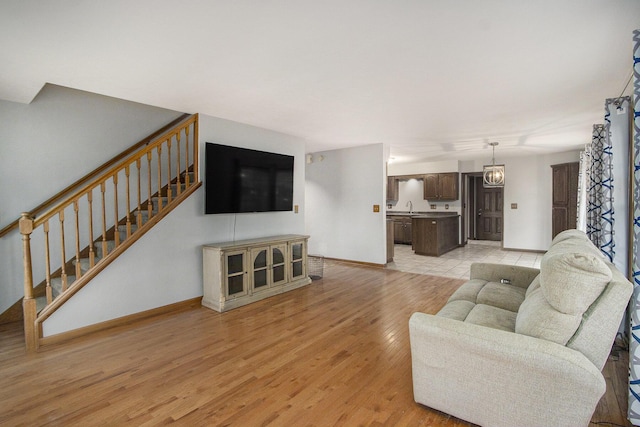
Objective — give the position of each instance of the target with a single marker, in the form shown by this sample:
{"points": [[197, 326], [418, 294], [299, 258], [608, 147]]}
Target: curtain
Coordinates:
{"points": [[634, 307], [584, 174], [599, 221], [607, 241]]}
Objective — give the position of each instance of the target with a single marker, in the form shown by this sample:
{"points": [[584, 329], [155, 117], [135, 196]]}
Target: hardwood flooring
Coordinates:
{"points": [[333, 353]]}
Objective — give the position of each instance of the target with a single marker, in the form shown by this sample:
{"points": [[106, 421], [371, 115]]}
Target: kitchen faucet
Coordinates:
{"points": [[410, 206]]}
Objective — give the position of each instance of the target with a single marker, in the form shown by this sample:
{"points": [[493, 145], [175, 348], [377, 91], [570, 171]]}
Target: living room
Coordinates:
{"points": [[59, 124]]}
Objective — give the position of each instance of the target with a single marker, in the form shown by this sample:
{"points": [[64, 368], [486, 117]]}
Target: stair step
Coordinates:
{"points": [[155, 200], [174, 188], [84, 263], [183, 178], [122, 230], [98, 248], [123, 227], [144, 214], [41, 302], [56, 284]]}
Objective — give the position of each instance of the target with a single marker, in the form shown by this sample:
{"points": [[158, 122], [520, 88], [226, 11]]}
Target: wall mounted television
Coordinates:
{"points": [[241, 180]]}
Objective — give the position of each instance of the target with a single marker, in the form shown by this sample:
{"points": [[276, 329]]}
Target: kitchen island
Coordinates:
{"points": [[435, 233]]}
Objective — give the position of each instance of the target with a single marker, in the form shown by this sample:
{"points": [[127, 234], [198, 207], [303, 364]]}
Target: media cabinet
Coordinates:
{"points": [[241, 272]]}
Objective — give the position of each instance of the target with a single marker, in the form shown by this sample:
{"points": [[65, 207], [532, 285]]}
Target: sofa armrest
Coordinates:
{"points": [[499, 378], [517, 275]]}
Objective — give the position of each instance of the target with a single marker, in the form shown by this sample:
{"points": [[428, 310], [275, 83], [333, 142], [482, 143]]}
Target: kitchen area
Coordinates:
{"points": [[423, 210]]}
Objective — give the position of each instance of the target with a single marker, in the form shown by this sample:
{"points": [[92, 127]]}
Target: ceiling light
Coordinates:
{"points": [[493, 175]]}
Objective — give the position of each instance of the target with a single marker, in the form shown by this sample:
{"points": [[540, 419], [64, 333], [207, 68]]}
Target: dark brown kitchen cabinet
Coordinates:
{"points": [[441, 186], [393, 187], [402, 230], [565, 197], [435, 235]]}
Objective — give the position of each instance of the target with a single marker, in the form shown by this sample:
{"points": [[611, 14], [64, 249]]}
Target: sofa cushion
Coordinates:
{"points": [[572, 275], [492, 317], [537, 318], [501, 295], [458, 310], [496, 294], [468, 291]]}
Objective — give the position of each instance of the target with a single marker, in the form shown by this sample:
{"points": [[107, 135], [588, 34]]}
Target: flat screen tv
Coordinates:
{"points": [[242, 180]]}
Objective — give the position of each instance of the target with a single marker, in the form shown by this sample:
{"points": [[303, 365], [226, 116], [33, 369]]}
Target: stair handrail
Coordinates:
{"points": [[50, 201], [28, 223], [108, 173]]}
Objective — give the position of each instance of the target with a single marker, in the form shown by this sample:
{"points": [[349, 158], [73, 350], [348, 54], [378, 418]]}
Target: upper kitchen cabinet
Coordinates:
{"points": [[441, 186], [393, 188]]}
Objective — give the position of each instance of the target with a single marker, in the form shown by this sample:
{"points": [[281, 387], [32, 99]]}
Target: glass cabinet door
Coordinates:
{"points": [[260, 268], [298, 267], [278, 264], [236, 282]]}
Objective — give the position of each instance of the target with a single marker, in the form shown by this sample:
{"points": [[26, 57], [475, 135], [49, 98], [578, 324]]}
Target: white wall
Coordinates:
{"points": [[165, 266], [529, 184], [47, 145], [340, 193]]}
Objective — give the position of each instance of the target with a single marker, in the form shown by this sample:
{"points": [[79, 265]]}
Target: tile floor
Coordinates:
{"points": [[457, 262]]}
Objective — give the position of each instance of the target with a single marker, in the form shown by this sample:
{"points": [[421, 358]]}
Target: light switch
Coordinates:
{"points": [[295, 208]]}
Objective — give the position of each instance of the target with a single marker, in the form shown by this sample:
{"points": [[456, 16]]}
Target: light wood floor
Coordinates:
{"points": [[333, 353]]}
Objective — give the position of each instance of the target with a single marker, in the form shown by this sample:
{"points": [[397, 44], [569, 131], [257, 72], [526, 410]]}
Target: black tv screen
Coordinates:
{"points": [[243, 180]]}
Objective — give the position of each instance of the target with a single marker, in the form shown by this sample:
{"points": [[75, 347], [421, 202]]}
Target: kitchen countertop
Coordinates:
{"points": [[437, 214]]}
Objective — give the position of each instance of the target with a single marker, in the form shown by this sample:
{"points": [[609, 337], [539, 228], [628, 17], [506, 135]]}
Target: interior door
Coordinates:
{"points": [[488, 212]]}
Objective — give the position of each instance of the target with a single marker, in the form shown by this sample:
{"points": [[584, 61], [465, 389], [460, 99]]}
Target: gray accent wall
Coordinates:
{"points": [[46, 145]]}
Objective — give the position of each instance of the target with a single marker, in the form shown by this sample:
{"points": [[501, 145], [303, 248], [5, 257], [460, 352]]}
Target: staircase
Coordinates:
{"points": [[101, 251], [102, 216]]}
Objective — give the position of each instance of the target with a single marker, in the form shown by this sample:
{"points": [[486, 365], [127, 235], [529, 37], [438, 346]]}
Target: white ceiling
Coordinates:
{"points": [[432, 79]]}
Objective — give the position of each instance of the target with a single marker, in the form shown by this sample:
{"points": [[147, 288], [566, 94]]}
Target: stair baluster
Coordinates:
{"points": [[128, 217], [92, 254]]}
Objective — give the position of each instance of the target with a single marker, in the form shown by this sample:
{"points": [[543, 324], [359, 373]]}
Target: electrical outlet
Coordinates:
{"points": [[376, 208], [432, 206], [446, 206], [514, 206]]}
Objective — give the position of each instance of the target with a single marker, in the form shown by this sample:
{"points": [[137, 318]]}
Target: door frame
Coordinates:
{"points": [[469, 207]]}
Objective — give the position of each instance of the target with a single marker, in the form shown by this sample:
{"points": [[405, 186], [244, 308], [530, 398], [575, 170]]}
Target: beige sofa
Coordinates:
{"points": [[517, 346]]}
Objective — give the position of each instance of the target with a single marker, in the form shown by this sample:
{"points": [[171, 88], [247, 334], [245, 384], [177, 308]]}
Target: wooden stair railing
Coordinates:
{"points": [[102, 218], [61, 194]]}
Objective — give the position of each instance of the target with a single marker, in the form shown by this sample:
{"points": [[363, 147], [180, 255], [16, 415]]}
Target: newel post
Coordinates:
{"points": [[28, 303]]}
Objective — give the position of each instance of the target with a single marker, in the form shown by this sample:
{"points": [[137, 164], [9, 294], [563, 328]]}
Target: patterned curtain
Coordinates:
{"points": [[600, 198], [634, 340], [607, 241], [584, 174]]}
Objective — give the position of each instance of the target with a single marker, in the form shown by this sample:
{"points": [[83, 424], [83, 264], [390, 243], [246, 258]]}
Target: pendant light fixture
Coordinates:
{"points": [[493, 175]]}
